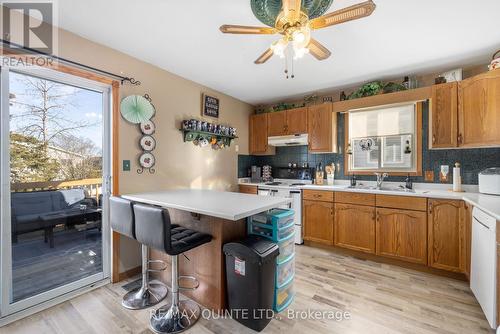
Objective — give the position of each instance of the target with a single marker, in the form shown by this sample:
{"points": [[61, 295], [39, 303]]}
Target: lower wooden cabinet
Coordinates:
{"points": [[447, 236], [318, 221], [354, 227], [247, 189], [402, 234]]}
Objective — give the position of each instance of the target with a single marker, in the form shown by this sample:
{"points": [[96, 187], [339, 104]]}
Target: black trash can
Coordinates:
{"points": [[250, 273]]}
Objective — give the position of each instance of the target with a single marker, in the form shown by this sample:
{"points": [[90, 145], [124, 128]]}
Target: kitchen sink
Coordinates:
{"points": [[398, 189]]}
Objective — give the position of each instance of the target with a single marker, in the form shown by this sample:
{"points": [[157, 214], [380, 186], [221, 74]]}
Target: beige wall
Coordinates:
{"points": [[178, 164]]}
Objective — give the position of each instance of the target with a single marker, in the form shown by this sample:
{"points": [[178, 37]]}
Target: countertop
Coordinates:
{"points": [[490, 204], [221, 204]]}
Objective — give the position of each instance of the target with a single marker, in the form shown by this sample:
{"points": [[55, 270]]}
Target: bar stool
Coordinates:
{"points": [[151, 292], [160, 234]]}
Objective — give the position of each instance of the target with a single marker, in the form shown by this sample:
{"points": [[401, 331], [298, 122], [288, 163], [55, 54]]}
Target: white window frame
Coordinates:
{"points": [[413, 170]]}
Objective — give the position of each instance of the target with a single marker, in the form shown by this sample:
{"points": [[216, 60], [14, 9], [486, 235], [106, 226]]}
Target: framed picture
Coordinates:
{"points": [[210, 106]]}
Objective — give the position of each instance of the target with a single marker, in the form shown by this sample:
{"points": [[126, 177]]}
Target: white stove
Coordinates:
{"points": [[289, 188]]}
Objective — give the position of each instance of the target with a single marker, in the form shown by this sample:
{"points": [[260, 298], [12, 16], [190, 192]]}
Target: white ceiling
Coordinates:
{"points": [[400, 37]]}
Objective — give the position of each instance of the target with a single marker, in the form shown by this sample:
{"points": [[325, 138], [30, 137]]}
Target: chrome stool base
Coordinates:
{"points": [[175, 319], [144, 297]]}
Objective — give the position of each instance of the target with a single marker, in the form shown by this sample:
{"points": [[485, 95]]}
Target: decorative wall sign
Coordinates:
{"points": [[210, 106]]}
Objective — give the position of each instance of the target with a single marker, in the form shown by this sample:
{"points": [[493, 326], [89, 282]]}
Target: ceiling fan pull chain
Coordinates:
{"points": [[293, 71], [286, 63]]}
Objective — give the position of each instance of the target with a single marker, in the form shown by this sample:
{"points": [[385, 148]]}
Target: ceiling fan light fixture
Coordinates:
{"points": [[301, 37], [279, 47], [299, 52]]}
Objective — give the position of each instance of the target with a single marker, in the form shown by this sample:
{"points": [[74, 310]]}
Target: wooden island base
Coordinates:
{"points": [[206, 262]]}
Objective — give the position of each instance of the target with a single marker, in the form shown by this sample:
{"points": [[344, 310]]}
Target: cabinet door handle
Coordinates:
{"points": [[460, 138], [430, 207], [433, 139]]}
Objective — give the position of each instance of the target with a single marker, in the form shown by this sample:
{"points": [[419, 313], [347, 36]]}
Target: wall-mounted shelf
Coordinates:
{"points": [[192, 135]]}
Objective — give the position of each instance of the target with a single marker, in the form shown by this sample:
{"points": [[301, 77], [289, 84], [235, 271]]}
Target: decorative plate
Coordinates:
{"points": [[148, 127], [147, 160], [136, 109], [147, 143], [266, 11]]}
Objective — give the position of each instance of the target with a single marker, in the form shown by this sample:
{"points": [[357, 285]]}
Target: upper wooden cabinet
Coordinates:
{"points": [[322, 128], [276, 123], [258, 134], [318, 221], [447, 235], [402, 234], [289, 122], [479, 110], [443, 128], [296, 121], [355, 227]]}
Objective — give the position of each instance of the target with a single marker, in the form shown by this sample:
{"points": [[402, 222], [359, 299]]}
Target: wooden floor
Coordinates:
{"points": [[380, 298]]}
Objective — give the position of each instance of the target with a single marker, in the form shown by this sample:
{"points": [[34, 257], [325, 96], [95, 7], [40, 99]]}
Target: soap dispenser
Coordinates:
{"points": [[408, 182]]}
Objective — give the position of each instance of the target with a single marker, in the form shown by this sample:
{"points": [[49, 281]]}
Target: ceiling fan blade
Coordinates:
{"points": [[236, 29], [343, 15], [264, 57], [318, 50], [291, 9]]}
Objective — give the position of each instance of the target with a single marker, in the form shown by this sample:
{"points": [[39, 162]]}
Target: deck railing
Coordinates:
{"points": [[93, 186]]}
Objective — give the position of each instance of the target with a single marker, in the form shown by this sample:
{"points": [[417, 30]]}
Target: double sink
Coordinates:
{"points": [[383, 188]]}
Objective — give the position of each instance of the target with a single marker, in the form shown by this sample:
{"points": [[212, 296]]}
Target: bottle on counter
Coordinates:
{"points": [[457, 178]]}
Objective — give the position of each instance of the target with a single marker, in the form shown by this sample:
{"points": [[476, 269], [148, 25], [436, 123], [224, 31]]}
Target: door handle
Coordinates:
{"points": [[107, 185]]}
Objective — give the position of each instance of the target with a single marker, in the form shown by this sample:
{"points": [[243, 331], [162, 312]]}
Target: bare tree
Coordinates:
{"points": [[44, 109]]}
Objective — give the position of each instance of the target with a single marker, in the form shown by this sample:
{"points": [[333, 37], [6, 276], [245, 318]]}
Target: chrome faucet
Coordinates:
{"points": [[380, 179]]}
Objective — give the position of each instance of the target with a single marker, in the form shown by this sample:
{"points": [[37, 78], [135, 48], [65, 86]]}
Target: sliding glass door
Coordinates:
{"points": [[55, 167]]}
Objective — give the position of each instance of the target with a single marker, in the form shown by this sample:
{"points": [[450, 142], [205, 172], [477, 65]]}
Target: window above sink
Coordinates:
{"points": [[385, 139]]}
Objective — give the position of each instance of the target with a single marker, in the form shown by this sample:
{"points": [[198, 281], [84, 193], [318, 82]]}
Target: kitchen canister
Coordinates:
{"points": [[495, 61]]}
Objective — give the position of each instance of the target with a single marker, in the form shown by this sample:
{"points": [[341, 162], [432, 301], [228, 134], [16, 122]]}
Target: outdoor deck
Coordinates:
{"points": [[38, 268]]}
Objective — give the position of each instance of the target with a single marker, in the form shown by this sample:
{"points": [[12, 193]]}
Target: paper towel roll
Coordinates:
{"points": [[457, 179]]}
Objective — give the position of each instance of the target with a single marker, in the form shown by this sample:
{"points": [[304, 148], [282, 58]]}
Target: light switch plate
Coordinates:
{"points": [[126, 165]]}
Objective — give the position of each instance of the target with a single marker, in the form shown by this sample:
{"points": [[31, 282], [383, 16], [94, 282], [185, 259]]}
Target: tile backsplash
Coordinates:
{"points": [[472, 160]]}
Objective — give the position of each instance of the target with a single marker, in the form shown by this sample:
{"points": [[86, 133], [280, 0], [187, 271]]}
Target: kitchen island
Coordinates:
{"points": [[220, 214]]}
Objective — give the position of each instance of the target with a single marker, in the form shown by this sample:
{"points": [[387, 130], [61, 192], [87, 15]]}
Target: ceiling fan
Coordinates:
{"points": [[296, 22]]}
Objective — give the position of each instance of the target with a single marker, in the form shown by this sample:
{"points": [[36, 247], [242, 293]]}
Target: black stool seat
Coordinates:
{"points": [[156, 230], [184, 239]]}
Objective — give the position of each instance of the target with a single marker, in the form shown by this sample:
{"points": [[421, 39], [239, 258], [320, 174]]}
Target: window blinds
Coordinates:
{"points": [[385, 121]]}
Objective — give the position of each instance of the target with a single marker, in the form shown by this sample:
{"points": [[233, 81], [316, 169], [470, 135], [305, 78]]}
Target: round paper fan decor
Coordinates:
{"points": [[136, 109]]}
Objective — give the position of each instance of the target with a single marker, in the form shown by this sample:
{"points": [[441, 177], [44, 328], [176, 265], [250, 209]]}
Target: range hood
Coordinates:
{"points": [[292, 140]]}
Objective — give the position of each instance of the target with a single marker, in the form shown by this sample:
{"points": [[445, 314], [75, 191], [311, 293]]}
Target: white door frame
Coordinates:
{"points": [[7, 308]]}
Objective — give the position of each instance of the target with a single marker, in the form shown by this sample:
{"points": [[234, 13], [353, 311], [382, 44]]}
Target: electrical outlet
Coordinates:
{"points": [[429, 176], [126, 165]]}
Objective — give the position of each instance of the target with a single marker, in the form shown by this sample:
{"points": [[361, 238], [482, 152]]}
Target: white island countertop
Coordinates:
{"points": [[221, 204]]}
